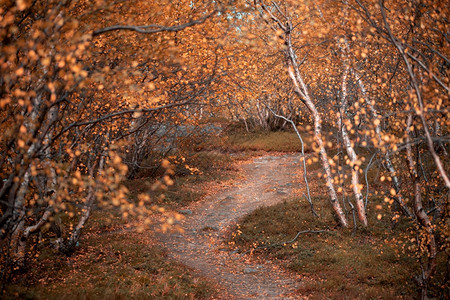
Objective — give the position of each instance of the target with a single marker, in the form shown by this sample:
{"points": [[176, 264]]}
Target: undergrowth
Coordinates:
{"points": [[336, 263], [109, 264], [279, 141], [113, 262], [192, 170]]}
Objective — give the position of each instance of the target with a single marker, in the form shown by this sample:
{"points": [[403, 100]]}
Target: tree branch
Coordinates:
{"points": [[153, 28], [308, 196]]}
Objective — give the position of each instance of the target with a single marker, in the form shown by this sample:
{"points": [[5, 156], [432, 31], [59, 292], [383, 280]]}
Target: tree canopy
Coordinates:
{"points": [[86, 85]]}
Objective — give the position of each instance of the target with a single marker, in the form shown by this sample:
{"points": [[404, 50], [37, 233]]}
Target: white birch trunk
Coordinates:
{"points": [[297, 79], [360, 209], [302, 91], [86, 211], [21, 234]]}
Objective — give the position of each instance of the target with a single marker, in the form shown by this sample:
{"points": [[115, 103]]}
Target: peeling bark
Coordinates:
{"points": [[303, 93]]}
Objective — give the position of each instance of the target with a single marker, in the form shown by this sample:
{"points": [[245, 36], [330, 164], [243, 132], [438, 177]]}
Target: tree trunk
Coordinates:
{"points": [[303, 158], [422, 217], [301, 90], [360, 209], [68, 246], [415, 84], [388, 163]]}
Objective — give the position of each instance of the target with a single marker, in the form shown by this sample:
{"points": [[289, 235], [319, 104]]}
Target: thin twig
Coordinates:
{"points": [[308, 196], [285, 243], [365, 177]]}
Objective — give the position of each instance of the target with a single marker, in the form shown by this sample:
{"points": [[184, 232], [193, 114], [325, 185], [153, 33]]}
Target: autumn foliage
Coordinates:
{"points": [[90, 89]]}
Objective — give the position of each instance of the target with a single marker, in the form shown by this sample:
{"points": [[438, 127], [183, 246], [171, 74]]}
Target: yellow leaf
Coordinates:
{"points": [[117, 160], [165, 163], [19, 72], [45, 61], [21, 143], [21, 5]]}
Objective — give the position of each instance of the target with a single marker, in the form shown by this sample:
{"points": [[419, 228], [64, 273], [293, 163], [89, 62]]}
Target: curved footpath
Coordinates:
{"points": [[267, 181]]}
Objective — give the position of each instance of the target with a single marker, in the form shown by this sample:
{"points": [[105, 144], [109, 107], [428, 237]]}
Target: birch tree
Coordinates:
{"points": [[281, 24]]}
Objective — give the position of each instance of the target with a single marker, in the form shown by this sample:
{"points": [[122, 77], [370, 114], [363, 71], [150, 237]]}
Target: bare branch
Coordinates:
{"points": [[153, 28], [119, 113], [308, 196], [428, 71], [415, 85]]}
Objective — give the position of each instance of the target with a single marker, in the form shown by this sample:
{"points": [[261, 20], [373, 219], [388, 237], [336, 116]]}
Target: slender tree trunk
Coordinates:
{"points": [[18, 218], [301, 90], [415, 85], [21, 234], [438, 133], [387, 157], [322, 151], [360, 209], [262, 119], [305, 177], [69, 245], [23, 241], [297, 79], [422, 217]]}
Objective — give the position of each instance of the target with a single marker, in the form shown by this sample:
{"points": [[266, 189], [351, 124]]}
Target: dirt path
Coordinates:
{"points": [[267, 180]]}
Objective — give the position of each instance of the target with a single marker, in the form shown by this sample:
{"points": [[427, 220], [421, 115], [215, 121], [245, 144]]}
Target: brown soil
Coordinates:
{"points": [[266, 180]]}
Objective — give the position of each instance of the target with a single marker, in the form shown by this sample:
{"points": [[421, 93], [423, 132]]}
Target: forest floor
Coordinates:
{"points": [[264, 181], [241, 212]]}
